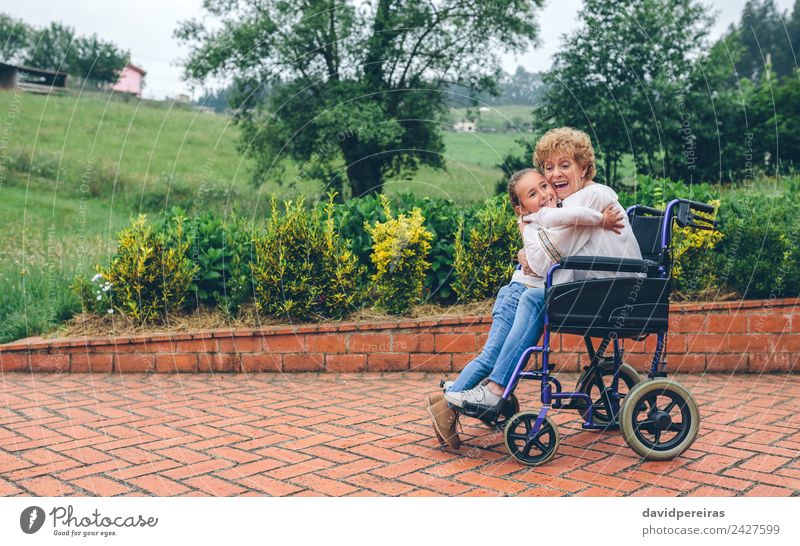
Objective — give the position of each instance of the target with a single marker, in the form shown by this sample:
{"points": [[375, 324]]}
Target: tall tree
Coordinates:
{"points": [[622, 77], [58, 48], [357, 87], [14, 38], [52, 48], [98, 60], [767, 35]]}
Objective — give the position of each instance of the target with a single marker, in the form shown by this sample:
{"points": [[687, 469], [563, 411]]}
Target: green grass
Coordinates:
{"points": [[144, 142], [48, 239], [481, 149]]}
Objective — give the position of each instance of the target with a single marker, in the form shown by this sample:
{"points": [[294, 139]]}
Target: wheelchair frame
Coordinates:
{"points": [[682, 212]]}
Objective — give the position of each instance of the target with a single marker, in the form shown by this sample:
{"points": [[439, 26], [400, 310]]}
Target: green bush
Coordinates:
{"points": [[399, 253], [151, 273], [301, 269], [657, 192], [758, 254], [222, 253], [486, 254], [441, 219]]}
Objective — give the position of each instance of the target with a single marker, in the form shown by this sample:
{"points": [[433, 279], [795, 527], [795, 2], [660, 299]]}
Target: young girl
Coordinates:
{"points": [[534, 201]]}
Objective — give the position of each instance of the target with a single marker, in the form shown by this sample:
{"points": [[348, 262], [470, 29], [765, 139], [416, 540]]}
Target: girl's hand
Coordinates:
{"points": [[612, 219], [523, 261]]}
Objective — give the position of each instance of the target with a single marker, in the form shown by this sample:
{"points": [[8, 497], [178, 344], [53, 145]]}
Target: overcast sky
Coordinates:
{"points": [[145, 28]]}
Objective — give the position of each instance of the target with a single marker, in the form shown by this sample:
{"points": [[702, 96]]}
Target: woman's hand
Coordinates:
{"points": [[612, 219], [523, 261]]}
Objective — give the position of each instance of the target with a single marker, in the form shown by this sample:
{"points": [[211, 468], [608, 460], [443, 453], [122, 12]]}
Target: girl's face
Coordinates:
{"points": [[534, 193], [564, 173]]}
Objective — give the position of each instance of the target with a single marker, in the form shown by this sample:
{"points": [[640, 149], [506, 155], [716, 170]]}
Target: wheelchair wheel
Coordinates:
{"points": [[512, 407], [537, 450], [601, 414], [659, 419]]}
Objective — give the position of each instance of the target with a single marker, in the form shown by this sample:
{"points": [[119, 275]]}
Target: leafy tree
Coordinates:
{"points": [[763, 32], [357, 88], [623, 76], [52, 48], [58, 48], [14, 38], [98, 60]]}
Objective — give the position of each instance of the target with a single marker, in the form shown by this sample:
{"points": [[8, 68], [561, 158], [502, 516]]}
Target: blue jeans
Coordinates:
{"points": [[525, 332], [503, 313], [508, 337]]}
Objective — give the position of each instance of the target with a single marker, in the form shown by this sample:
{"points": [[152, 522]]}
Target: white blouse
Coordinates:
{"points": [[581, 238], [550, 224]]}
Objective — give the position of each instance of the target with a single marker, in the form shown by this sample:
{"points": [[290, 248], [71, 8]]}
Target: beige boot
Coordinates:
{"points": [[444, 419]]}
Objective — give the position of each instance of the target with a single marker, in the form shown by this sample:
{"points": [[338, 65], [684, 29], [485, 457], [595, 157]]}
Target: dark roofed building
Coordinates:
{"points": [[29, 78]]}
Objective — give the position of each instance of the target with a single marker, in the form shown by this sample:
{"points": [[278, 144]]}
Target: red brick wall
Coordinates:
{"points": [[749, 336]]}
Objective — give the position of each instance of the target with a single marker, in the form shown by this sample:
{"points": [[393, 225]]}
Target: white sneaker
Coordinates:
{"points": [[479, 396]]}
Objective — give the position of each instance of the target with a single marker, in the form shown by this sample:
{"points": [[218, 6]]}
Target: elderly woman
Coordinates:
{"points": [[566, 158]]}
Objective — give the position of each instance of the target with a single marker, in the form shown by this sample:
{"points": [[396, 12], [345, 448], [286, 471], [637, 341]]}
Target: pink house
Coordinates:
{"points": [[130, 80]]}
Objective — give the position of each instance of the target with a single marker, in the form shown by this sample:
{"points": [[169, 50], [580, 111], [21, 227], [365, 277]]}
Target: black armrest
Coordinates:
{"points": [[607, 263]]}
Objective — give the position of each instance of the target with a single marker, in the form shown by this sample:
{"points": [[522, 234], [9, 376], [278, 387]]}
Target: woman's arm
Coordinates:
{"points": [[545, 247]]}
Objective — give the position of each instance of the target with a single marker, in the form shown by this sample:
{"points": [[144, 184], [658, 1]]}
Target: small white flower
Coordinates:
{"points": [[97, 277], [106, 288], [99, 297], [110, 311]]}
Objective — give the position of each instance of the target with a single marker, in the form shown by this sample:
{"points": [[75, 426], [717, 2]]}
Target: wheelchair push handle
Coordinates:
{"points": [[701, 207], [686, 217]]}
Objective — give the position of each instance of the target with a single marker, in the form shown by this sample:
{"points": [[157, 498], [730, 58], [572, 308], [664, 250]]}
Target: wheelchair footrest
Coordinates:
{"points": [[478, 412]]}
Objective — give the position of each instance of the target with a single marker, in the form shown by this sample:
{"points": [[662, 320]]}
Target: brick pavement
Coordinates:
{"points": [[356, 434]]}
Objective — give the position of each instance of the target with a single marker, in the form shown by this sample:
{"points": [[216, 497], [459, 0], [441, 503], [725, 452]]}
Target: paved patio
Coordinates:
{"points": [[360, 434]]}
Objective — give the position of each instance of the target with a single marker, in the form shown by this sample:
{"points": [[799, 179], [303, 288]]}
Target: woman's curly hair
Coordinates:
{"points": [[566, 141]]}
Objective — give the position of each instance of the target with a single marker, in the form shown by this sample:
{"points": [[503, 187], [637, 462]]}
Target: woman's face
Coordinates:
{"points": [[564, 173]]}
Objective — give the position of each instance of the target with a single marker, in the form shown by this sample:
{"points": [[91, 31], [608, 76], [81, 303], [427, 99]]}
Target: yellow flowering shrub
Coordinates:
{"points": [[150, 274], [301, 269], [486, 253], [400, 251], [693, 269]]}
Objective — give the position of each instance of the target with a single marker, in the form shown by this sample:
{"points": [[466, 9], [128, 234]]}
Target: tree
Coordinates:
{"points": [[623, 76], [57, 48], [52, 48], [767, 33], [14, 39], [98, 60], [357, 88]]}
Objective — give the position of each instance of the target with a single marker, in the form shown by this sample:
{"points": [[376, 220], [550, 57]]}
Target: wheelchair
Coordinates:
{"points": [[658, 417]]}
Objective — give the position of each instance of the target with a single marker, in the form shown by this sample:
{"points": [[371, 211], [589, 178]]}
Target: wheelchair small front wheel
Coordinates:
{"points": [[588, 383], [531, 450], [659, 419]]}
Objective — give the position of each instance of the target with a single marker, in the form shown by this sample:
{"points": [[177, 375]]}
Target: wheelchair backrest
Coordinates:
{"points": [[647, 229]]}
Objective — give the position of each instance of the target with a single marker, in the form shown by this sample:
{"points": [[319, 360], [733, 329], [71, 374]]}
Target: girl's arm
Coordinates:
{"points": [[569, 216], [610, 218]]}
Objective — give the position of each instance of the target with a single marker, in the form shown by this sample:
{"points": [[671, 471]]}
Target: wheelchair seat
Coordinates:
{"points": [[625, 307]]}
